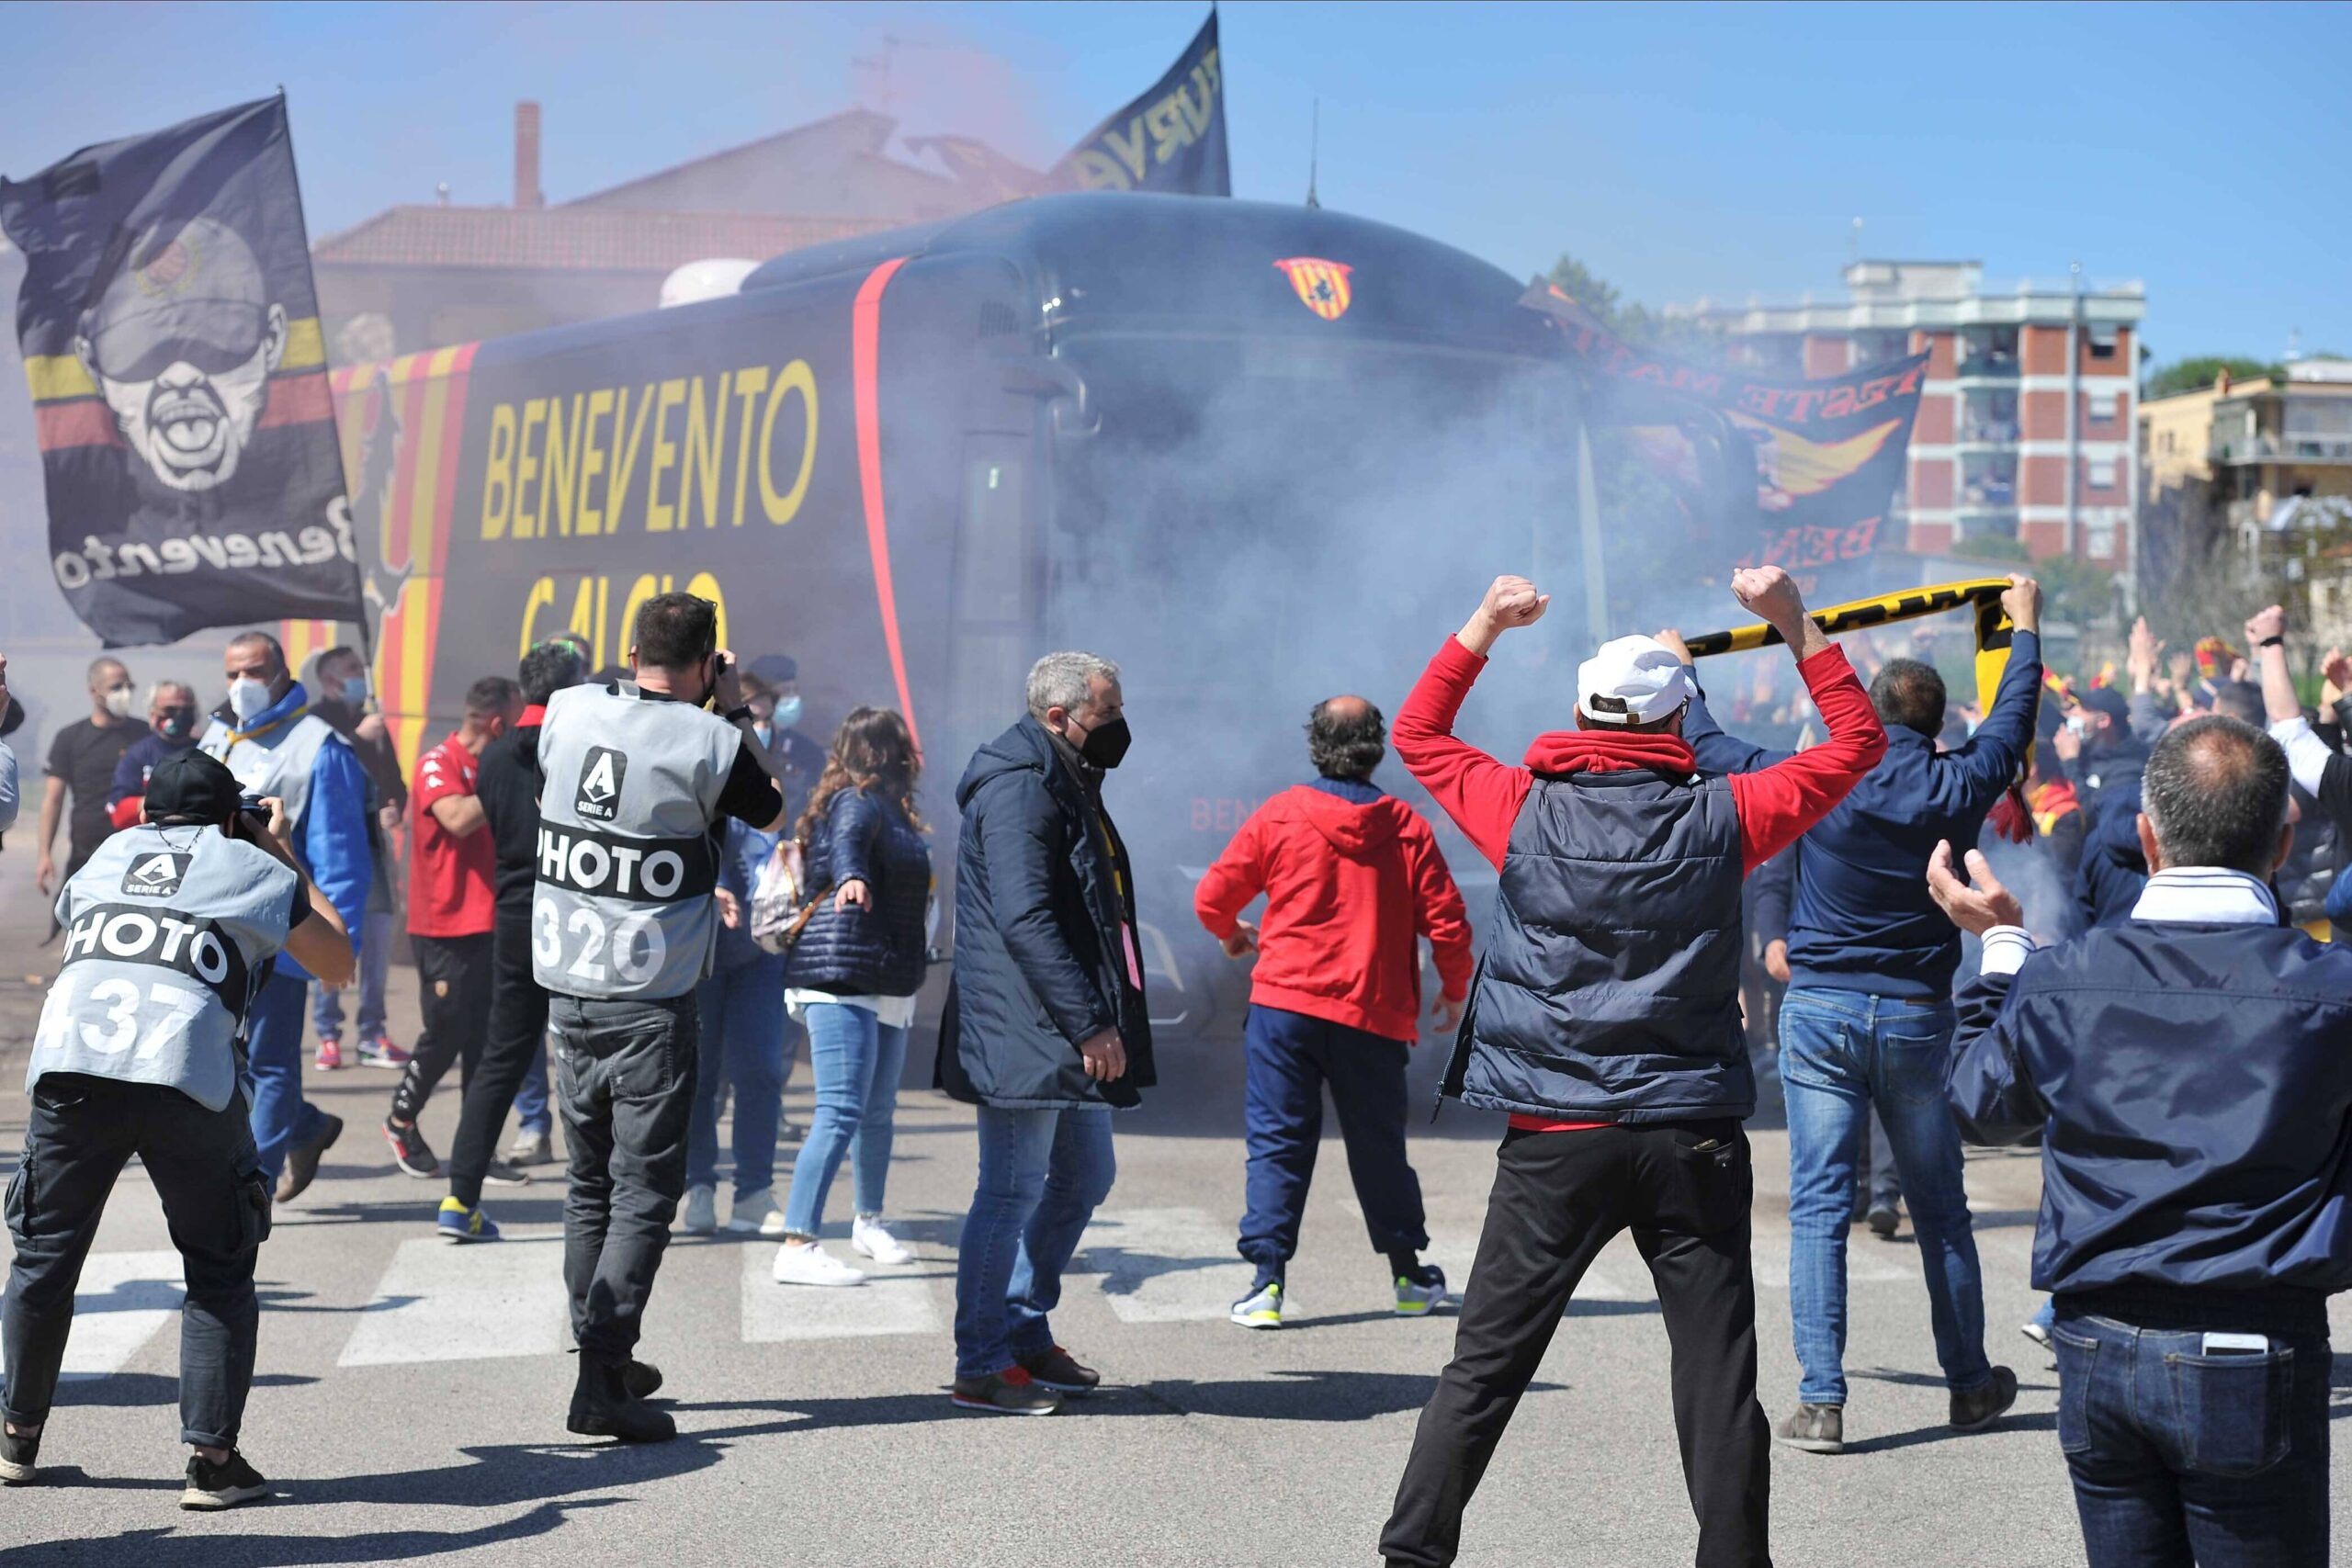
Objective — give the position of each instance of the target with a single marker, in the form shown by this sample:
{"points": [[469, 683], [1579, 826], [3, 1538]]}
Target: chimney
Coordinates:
{"points": [[527, 155]]}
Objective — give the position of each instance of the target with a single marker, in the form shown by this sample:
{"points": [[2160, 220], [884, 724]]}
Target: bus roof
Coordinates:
{"points": [[1173, 262]]}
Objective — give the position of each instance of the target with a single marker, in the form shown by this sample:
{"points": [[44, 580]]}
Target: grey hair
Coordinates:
{"points": [[160, 687], [2215, 792], [1064, 681]]}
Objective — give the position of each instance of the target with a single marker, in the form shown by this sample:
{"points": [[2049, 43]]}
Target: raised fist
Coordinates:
{"points": [[1770, 594], [1513, 602]]}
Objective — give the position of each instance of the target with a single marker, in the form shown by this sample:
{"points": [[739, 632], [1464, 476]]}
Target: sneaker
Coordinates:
{"points": [[1262, 1308], [532, 1148], [602, 1405], [1980, 1407], [223, 1485], [755, 1214], [700, 1216], [1815, 1428], [302, 1159], [2039, 1332], [17, 1452], [459, 1222], [377, 1050], [1419, 1297], [868, 1235], [1883, 1221], [1012, 1391], [410, 1151], [498, 1173], [330, 1056], [1059, 1370], [807, 1263]]}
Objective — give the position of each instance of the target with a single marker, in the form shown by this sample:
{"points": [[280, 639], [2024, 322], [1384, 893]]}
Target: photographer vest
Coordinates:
{"points": [[168, 932], [628, 794]]}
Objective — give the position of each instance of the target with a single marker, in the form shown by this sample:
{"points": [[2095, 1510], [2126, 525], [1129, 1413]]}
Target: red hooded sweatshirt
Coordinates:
{"points": [[1348, 891]]}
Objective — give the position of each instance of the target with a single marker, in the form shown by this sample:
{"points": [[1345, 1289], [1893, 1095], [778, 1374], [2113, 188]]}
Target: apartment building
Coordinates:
{"points": [[2026, 427]]}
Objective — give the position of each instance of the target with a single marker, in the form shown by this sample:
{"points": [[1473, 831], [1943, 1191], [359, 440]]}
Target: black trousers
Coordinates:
{"points": [[79, 1133], [518, 1019], [1683, 1189], [453, 992], [624, 1078]]}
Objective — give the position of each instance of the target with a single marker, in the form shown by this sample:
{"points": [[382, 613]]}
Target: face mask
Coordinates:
{"points": [[248, 698], [1107, 744], [355, 691], [175, 723], [118, 701], [2080, 726], [787, 713]]}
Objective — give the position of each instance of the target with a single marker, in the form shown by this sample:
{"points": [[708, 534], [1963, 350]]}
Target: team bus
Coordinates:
{"points": [[1258, 455]]}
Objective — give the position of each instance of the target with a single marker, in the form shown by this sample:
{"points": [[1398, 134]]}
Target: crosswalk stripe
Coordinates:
{"points": [[1163, 1264], [124, 1300], [888, 1303], [441, 1303]]}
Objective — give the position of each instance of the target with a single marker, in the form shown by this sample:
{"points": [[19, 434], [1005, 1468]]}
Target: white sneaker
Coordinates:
{"points": [[756, 1212], [701, 1217], [807, 1263], [868, 1235]]}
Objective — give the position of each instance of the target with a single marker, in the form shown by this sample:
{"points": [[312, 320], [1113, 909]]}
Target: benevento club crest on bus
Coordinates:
{"points": [[1322, 284], [170, 331]]}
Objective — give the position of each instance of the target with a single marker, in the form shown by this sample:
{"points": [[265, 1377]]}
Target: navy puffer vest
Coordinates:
{"points": [[1609, 991]]}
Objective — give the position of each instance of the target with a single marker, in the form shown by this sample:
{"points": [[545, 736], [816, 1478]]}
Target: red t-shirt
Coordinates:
{"points": [[449, 891]]}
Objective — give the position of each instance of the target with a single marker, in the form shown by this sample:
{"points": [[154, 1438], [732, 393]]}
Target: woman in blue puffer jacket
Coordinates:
{"points": [[853, 977]]}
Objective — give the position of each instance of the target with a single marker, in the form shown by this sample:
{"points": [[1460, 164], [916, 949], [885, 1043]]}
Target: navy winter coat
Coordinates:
{"points": [[2194, 1096], [1042, 893], [877, 951]]}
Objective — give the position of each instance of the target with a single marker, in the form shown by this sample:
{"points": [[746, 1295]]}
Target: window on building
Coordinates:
{"points": [[2102, 473], [2099, 541], [2106, 405], [2103, 339]]}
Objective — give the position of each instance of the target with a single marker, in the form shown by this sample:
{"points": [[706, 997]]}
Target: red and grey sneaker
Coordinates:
{"points": [[410, 1151], [377, 1050], [1012, 1391], [330, 1055]]}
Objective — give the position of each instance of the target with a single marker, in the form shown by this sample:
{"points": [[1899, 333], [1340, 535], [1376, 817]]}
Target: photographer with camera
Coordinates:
{"points": [[635, 780], [170, 932]]}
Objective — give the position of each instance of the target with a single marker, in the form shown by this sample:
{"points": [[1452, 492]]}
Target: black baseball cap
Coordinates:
{"points": [[2106, 700], [775, 669], [193, 788]]}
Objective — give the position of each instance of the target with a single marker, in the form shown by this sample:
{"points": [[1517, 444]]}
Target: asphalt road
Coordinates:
{"points": [[410, 1398]]}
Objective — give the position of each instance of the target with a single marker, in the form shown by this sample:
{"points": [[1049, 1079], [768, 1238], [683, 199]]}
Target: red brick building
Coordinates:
{"points": [[2026, 427]]}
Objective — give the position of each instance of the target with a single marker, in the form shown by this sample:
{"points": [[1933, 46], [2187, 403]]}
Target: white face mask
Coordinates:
{"points": [[2078, 724], [118, 702], [248, 698]]}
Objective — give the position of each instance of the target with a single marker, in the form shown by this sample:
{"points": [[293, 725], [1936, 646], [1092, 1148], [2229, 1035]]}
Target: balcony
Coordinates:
{"points": [[1977, 432], [2270, 448], [1980, 520], [1989, 365]]}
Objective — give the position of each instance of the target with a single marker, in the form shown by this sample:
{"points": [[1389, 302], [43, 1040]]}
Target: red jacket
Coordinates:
{"points": [[1348, 891]]}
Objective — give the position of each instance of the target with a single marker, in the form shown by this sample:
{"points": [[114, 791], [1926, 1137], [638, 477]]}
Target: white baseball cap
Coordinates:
{"points": [[1633, 680]]}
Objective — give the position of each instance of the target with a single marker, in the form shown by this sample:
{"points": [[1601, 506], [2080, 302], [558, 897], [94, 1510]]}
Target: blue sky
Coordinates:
{"points": [[1681, 150]]}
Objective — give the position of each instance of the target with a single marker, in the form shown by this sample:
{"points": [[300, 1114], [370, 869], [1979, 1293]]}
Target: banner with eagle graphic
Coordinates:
{"points": [[1830, 453]]}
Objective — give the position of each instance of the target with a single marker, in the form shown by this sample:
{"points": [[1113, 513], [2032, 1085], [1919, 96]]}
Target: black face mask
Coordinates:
{"points": [[177, 723], [1107, 744]]}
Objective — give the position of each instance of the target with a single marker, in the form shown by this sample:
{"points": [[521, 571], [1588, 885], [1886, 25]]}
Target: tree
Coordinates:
{"points": [[1632, 320], [2196, 375]]}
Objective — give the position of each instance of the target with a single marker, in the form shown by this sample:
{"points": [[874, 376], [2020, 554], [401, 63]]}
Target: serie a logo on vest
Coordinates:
{"points": [[156, 875], [599, 799]]}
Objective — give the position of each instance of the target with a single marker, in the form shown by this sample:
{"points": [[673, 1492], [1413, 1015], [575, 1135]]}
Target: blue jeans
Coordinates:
{"points": [[742, 1044], [281, 1117], [1042, 1173], [532, 1111], [857, 1061], [1842, 1052], [1290, 1058], [2177, 1456], [375, 963]]}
